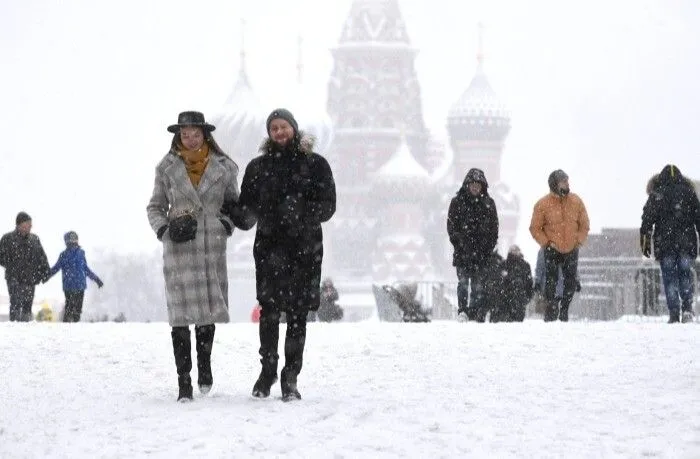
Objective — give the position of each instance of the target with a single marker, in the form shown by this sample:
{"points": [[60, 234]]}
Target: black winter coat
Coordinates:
{"points": [[672, 215], [517, 283], [23, 258], [472, 226], [288, 193]]}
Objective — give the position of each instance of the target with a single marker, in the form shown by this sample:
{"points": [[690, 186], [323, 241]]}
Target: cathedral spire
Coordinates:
{"points": [[243, 74], [300, 60]]}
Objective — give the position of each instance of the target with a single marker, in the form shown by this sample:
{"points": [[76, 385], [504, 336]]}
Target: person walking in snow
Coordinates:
{"points": [[671, 218], [25, 263], [288, 190], [560, 226], [472, 226], [73, 265], [516, 288], [191, 182]]}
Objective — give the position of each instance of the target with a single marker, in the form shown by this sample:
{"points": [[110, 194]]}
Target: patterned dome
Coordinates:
{"points": [[479, 104], [240, 123]]}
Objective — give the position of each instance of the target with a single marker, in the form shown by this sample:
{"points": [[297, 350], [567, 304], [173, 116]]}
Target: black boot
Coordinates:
{"points": [[564, 313], [205, 342], [269, 330], [674, 316], [182, 348], [551, 311], [294, 342]]}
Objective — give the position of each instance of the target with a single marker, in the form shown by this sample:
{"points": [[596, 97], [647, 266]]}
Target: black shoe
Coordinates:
{"points": [[185, 384], [687, 317], [674, 317], [261, 388], [289, 387]]}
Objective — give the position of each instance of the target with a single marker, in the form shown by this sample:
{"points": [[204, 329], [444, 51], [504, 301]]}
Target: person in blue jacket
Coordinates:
{"points": [[75, 270]]}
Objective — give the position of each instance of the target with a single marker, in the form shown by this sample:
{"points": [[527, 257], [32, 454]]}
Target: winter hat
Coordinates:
{"points": [[475, 176], [282, 113], [22, 217], [515, 250], [556, 177], [70, 237], [190, 118]]}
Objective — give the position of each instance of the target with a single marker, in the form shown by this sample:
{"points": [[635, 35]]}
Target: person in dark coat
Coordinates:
{"points": [[25, 263], [288, 191], [472, 226], [329, 310], [75, 270], [516, 285], [671, 218], [192, 181]]}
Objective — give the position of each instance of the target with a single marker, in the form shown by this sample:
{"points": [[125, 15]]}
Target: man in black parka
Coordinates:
{"points": [[671, 217], [26, 265], [472, 226], [288, 191]]}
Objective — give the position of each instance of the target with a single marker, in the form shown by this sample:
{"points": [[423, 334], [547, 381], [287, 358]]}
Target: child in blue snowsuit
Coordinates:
{"points": [[75, 269]]}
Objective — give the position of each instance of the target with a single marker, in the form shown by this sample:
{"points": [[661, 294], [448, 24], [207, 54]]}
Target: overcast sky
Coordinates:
{"points": [[606, 89]]}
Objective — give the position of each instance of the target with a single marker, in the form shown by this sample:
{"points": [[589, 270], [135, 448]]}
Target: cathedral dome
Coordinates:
{"points": [[240, 123], [401, 177]]}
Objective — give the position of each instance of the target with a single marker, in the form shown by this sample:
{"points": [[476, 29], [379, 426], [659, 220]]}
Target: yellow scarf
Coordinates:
{"points": [[195, 162]]}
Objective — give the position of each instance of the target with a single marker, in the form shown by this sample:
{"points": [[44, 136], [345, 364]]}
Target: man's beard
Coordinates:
{"points": [[564, 191]]}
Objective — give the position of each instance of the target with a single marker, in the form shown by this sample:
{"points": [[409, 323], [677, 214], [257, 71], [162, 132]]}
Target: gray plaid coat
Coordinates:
{"points": [[196, 281]]}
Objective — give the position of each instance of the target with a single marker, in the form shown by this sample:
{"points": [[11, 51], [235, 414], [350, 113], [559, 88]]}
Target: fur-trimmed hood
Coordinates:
{"points": [[670, 174], [305, 142]]}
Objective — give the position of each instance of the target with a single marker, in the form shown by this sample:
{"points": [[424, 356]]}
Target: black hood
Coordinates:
{"points": [[670, 174], [475, 176]]}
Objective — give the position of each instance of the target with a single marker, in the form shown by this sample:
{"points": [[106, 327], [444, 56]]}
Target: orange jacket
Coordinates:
{"points": [[561, 221]]}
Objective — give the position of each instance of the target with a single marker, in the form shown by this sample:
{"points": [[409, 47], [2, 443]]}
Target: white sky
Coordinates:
{"points": [[606, 90]]}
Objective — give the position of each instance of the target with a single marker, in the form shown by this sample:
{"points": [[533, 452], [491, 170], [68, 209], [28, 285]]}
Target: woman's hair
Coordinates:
{"points": [[176, 145]]}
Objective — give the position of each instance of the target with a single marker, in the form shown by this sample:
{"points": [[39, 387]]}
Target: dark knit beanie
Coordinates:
{"points": [[556, 177], [282, 113], [22, 217]]}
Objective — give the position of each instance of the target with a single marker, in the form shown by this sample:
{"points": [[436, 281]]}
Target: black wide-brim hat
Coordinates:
{"points": [[185, 119]]}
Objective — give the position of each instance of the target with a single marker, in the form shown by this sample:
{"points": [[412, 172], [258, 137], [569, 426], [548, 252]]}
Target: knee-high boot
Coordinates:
{"points": [[205, 342], [182, 348], [269, 329]]}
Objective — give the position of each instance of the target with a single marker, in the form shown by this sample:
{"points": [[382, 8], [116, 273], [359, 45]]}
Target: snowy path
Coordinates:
{"points": [[370, 390]]}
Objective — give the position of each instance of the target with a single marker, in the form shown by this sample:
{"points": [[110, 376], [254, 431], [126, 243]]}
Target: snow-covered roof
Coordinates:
{"points": [[480, 101], [402, 166]]}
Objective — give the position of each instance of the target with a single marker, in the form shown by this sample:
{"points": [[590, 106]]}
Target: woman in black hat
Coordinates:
{"points": [[191, 183], [289, 191]]}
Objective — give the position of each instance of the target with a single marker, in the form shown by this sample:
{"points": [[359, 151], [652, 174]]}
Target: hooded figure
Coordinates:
{"points": [[472, 226], [671, 217], [516, 287], [288, 191]]}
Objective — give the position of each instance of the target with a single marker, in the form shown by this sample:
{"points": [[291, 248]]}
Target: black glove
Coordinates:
{"points": [[227, 226], [578, 285], [241, 216], [183, 228], [551, 249], [100, 283], [161, 231], [645, 244]]}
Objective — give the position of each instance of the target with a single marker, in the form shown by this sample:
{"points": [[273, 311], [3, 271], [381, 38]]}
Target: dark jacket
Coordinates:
{"points": [[23, 258], [472, 226], [74, 269], [672, 215], [288, 193], [329, 310], [517, 286]]}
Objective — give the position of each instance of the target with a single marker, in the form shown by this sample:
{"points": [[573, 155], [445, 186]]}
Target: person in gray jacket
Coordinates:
{"points": [[191, 183]]}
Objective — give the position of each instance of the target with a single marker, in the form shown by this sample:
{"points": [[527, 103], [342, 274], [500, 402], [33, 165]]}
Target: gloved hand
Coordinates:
{"points": [[645, 244], [551, 249], [227, 227], [578, 285], [100, 283], [183, 228]]}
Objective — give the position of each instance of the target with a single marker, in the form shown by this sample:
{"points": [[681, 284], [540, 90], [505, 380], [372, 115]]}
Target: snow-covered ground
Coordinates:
{"points": [[617, 389]]}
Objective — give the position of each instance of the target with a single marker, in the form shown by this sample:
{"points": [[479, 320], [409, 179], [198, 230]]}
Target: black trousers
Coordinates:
{"points": [[74, 305], [295, 339], [569, 267], [21, 300]]}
